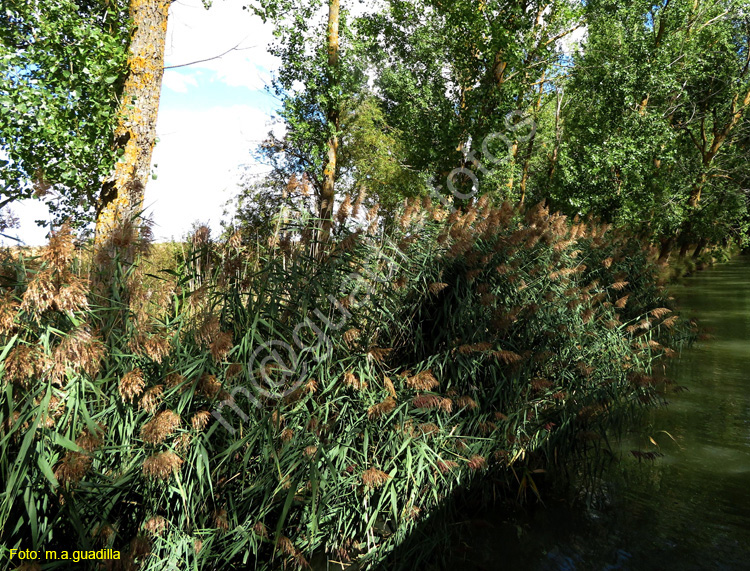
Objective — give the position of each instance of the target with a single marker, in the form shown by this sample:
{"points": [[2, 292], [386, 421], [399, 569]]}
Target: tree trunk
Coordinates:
{"points": [[328, 194], [702, 243], [720, 136], [695, 193], [121, 197], [684, 247], [558, 137], [666, 249]]}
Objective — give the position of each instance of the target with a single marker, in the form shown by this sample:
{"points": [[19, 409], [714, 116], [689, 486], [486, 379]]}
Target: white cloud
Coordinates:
{"points": [[573, 42], [199, 158], [197, 34], [27, 212], [201, 151], [178, 82]]}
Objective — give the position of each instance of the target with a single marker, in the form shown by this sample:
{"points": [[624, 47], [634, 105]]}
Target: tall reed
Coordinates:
{"points": [[484, 341]]}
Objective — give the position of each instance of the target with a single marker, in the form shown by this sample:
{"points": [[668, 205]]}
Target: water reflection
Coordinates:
{"points": [[689, 509]]}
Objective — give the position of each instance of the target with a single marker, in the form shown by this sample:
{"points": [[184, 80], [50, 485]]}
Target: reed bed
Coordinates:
{"points": [[454, 349]]}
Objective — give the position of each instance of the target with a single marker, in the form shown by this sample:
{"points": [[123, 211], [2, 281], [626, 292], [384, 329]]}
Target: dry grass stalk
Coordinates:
{"points": [[466, 401], [388, 384], [344, 210], [234, 370], [151, 399], [374, 478], [433, 401], [429, 428], [80, 349], [160, 427], [155, 525], [131, 385], [200, 419], [9, 308], [507, 357], [209, 386], [208, 330], [287, 434], [446, 466], [22, 363], [350, 379], [221, 520], [162, 465], [477, 463], [620, 303], [156, 347], [475, 348], [260, 529], [422, 381], [174, 379], [660, 312], [437, 287], [88, 441], [381, 409], [182, 442], [59, 252], [379, 354], [351, 335], [40, 293], [73, 467], [221, 346]]}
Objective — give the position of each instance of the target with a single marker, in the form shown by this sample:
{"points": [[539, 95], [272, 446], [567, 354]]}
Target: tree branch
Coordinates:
{"points": [[235, 48]]}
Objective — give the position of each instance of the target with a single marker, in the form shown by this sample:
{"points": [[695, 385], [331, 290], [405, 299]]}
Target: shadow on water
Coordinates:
{"points": [[686, 510]]}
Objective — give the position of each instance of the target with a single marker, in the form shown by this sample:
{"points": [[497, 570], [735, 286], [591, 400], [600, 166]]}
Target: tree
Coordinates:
{"points": [[328, 192], [450, 72], [659, 95], [370, 172], [93, 72], [315, 80]]}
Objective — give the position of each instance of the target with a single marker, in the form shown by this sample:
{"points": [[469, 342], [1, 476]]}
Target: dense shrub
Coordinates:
{"points": [[154, 418]]}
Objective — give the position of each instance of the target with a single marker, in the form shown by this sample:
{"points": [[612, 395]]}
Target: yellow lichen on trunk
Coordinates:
{"points": [[121, 197]]}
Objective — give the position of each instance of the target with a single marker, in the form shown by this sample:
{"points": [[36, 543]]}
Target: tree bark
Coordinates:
{"points": [[685, 246], [558, 137], [666, 249], [121, 197], [702, 243], [328, 192]]}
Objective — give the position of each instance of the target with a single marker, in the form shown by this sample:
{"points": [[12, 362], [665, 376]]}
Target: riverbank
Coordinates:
{"points": [[685, 506]]}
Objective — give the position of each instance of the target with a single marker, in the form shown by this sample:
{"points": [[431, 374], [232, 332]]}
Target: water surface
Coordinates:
{"points": [[690, 508]]}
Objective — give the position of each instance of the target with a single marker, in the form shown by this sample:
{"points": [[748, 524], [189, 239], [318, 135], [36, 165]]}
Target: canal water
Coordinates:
{"points": [[686, 510]]}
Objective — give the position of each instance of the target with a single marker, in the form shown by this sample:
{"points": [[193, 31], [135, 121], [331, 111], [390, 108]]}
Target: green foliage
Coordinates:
{"points": [[370, 168], [450, 72], [373, 157], [648, 96], [62, 64]]}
